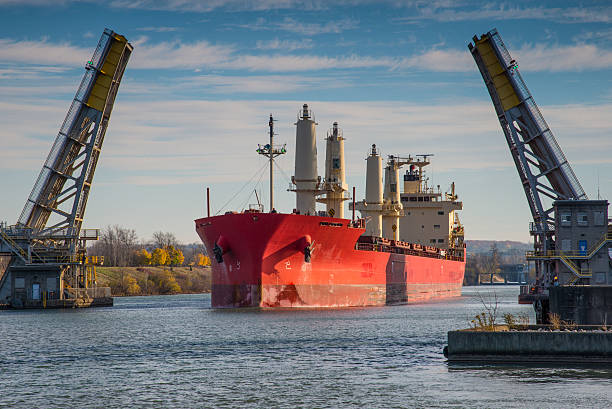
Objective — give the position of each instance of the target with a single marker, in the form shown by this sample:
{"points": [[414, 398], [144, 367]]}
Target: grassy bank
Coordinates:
{"points": [[154, 280]]}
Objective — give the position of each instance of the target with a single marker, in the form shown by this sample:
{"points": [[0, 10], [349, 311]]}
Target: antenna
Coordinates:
{"points": [[270, 151]]}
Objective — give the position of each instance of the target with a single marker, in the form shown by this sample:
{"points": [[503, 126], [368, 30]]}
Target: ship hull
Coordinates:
{"points": [[264, 265]]}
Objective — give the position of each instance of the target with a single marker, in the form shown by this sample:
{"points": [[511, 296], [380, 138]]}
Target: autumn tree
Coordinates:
{"points": [[159, 257], [143, 257], [175, 257], [200, 259]]}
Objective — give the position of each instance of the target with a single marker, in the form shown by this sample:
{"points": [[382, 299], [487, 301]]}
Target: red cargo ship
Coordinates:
{"points": [[308, 258]]}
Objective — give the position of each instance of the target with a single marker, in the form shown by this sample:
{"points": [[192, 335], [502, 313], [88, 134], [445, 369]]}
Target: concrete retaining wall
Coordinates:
{"points": [[531, 346], [583, 305]]}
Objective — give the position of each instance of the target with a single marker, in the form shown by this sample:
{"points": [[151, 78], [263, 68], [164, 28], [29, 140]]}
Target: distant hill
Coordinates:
{"points": [[503, 246]]}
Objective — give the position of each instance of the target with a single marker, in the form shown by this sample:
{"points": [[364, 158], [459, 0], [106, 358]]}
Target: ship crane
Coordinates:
{"points": [[545, 173], [392, 208], [47, 247]]}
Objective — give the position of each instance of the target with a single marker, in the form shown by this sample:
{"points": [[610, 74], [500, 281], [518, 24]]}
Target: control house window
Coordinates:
{"points": [[566, 219], [566, 245], [598, 218], [583, 220]]}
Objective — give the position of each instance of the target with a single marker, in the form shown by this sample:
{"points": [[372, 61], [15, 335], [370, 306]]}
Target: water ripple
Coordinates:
{"points": [[174, 352]]}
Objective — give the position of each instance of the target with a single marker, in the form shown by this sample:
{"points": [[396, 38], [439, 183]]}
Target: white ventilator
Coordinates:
{"points": [[392, 206], [335, 184], [306, 179], [371, 207]]}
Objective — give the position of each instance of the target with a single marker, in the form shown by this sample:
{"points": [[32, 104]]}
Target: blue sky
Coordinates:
{"points": [[204, 76]]}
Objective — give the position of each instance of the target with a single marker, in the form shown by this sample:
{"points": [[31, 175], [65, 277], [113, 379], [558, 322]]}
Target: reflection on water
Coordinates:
{"points": [[173, 351]]}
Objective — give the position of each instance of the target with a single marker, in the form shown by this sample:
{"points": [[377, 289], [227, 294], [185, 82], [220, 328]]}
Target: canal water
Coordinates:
{"points": [[175, 352]]}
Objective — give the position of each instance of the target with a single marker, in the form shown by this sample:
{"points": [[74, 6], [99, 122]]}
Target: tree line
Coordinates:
{"points": [[149, 281], [489, 263], [121, 247]]}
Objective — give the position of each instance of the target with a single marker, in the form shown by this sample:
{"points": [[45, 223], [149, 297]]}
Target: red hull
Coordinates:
{"points": [[264, 265]]}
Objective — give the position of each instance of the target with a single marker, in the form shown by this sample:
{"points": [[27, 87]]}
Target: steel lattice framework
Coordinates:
{"points": [[543, 169], [48, 235], [63, 185]]}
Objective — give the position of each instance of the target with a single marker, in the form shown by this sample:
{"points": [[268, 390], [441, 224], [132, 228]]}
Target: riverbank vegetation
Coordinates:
{"points": [[154, 280], [162, 265]]}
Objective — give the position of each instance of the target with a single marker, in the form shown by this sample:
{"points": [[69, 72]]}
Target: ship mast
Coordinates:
{"points": [[271, 152]]}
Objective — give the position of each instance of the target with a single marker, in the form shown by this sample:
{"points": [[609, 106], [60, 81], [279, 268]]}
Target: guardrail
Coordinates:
{"points": [[570, 254], [439, 254], [18, 232]]}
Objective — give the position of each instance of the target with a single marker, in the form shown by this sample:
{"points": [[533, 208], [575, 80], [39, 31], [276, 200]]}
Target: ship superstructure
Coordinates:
{"points": [[430, 216], [310, 258], [419, 213]]}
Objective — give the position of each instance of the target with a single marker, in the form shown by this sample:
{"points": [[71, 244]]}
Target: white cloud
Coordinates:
{"points": [[441, 61], [245, 5], [167, 55], [596, 35], [33, 2], [179, 55], [503, 12], [202, 54], [285, 45], [280, 63], [531, 57], [204, 6], [159, 29], [582, 57], [333, 26], [294, 26], [261, 84], [12, 72], [182, 145], [43, 53], [177, 135]]}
